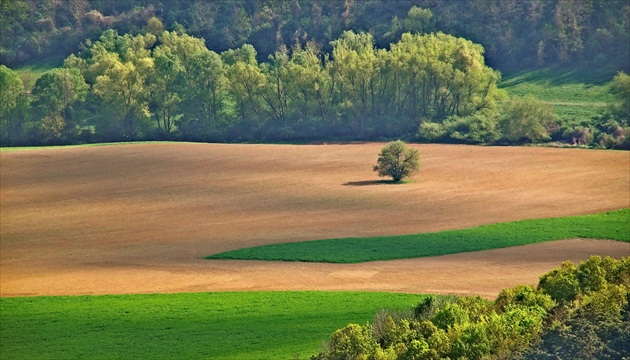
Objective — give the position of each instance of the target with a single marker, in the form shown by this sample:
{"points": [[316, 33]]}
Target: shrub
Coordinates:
{"points": [[527, 120], [478, 128], [620, 87], [613, 135], [578, 135], [398, 161], [431, 132]]}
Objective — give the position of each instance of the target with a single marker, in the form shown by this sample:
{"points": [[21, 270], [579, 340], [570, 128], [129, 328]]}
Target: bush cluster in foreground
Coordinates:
{"points": [[575, 312]]}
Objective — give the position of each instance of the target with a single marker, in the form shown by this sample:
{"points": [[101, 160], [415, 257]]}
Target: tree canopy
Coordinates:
{"points": [[170, 86], [575, 312], [517, 34], [398, 161]]}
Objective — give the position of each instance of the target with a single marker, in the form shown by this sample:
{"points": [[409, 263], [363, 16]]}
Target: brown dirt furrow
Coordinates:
{"points": [[139, 218]]}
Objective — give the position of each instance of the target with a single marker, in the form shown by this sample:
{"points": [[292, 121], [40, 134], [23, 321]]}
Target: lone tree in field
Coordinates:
{"points": [[397, 160]]}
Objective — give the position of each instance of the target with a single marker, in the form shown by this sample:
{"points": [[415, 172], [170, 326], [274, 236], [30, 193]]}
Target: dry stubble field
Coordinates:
{"points": [[138, 218]]}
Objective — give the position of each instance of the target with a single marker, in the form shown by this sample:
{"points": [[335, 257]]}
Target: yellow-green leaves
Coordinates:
{"points": [[398, 161], [527, 119], [11, 87]]}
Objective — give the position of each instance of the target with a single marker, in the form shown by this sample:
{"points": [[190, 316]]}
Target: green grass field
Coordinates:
{"points": [[248, 325], [574, 93], [31, 72], [613, 225]]}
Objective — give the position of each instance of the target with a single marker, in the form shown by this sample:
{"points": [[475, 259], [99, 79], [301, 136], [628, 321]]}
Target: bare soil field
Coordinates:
{"points": [[138, 218]]}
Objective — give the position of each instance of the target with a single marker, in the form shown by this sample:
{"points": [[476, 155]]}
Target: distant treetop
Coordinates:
{"points": [[515, 34]]}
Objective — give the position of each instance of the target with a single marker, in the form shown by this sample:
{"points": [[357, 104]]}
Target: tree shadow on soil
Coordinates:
{"points": [[376, 182]]}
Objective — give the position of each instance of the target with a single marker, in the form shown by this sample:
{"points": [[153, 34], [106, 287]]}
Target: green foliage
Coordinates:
{"points": [[527, 119], [610, 225], [588, 112], [431, 132], [58, 97], [517, 34], [11, 87], [58, 89], [118, 68], [168, 85], [444, 75], [575, 86], [479, 128], [291, 71], [352, 342], [523, 296], [620, 88], [569, 282], [561, 283], [522, 323], [450, 315], [398, 161], [595, 324], [578, 135], [11, 91], [429, 305], [244, 325], [419, 20], [470, 341], [31, 72]]}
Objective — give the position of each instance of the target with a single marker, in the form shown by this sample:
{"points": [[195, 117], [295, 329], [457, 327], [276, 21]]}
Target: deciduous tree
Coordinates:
{"points": [[11, 88], [620, 87], [398, 161], [55, 95], [527, 119]]}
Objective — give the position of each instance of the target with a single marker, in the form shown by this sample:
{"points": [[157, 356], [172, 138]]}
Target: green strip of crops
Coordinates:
{"points": [[614, 225], [249, 325]]}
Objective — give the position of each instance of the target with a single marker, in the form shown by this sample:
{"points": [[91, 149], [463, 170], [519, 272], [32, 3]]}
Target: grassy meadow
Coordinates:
{"points": [[573, 93], [31, 72], [248, 325], [614, 225]]}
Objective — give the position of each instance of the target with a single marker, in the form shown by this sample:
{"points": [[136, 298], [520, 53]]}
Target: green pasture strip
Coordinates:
{"points": [[577, 111], [31, 72], [614, 225], [563, 86], [231, 325]]}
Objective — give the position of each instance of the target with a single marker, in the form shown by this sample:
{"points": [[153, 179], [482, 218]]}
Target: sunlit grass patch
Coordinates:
{"points": [[614, 225], [248, 325], [573, 93]]}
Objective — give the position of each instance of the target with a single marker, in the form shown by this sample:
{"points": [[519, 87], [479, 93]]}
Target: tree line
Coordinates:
{"points": [[167, 85], [517, 34], [575, 312]]}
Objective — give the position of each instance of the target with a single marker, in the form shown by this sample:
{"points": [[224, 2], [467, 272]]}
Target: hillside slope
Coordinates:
{"points": [[139, 218]]}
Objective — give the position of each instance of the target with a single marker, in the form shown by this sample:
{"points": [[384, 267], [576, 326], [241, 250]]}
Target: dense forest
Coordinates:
{"points": [[575, 312], [303, 70], [516, 34]]}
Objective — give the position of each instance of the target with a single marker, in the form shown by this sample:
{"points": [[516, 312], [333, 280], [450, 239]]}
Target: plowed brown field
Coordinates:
{"points": [[139, 218]]}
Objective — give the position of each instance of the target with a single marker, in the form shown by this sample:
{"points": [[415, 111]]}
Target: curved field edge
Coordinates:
{"points": [[612, 225], [230, 325]]}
